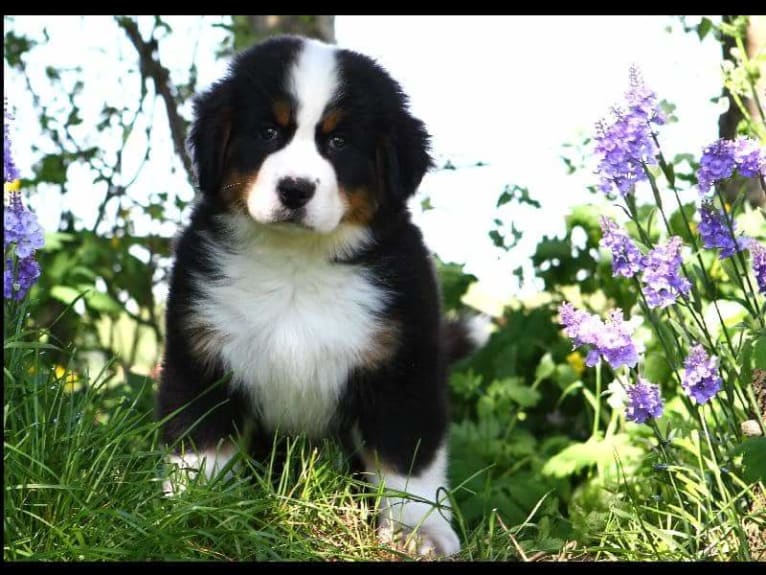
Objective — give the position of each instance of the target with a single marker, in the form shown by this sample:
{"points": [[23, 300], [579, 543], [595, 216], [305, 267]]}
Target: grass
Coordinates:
{"points": [[83, 470]]}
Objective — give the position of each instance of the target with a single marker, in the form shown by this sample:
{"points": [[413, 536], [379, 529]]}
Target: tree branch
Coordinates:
{"points": [[151, 67]]}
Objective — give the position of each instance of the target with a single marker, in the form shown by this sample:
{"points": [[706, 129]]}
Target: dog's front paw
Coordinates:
{"points": [[185, 468], [434, 538], [438, 540]]}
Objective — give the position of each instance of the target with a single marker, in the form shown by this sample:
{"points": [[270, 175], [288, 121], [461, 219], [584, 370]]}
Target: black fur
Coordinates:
{"points": [[401, 406]]}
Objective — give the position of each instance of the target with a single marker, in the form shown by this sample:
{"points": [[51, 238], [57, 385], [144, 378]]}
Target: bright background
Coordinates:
{"points": [[474, 80]]}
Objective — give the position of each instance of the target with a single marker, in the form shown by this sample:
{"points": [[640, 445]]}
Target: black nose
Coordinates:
{"points": [[295, 192]]}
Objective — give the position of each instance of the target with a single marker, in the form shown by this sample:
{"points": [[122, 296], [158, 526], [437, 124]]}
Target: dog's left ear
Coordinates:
{"points": [[209, 137], [403, 158]]}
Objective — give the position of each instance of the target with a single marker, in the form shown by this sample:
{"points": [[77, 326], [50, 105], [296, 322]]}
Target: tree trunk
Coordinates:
{"points": [[254, 28]]}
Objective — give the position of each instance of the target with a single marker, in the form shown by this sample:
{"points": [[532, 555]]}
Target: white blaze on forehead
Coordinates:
{"points": [[313, 83]]}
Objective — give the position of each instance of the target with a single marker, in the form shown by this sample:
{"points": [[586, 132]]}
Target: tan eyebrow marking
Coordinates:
{"points": [[330, 121], [282, 111]]}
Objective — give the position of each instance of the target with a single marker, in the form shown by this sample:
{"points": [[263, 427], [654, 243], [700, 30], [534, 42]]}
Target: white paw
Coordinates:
{"points": [[185, 468], [441, 541], [434, 538]]}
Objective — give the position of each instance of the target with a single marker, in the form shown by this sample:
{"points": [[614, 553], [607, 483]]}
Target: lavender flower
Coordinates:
{"points": [[717, 163], [722, 157], [644, 401], [22, 234], [758, 253], [27, 273], [626, 144], [626, 258], [700, 379], [10, 173], [715, 232], [612, 339], [750, 158], [662, 283], [21, 228]]}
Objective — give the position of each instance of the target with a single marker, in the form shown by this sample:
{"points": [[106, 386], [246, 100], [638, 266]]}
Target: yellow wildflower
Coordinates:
{"points": [[576, 361]]}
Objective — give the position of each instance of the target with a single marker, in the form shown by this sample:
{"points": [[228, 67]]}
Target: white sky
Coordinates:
{"points": [[504, 90]]}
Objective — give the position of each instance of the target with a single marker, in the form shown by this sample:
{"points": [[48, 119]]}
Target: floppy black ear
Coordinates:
{"points": [[403, 157], [209, 137]]}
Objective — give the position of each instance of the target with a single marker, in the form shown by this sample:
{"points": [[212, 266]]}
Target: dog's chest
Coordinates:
{"points": [[291, 329]]}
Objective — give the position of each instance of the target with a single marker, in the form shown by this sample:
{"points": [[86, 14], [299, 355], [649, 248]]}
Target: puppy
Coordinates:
{"points": [[303, 299]]}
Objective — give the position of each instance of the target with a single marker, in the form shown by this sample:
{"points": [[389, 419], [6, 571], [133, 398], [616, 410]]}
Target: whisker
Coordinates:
{"points": [[231, 185]]}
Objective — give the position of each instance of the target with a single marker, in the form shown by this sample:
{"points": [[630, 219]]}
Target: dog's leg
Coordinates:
{"points": [[186, 465], [201, 418], [424, 512]]}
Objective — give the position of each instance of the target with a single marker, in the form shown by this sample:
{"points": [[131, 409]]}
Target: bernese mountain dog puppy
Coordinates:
{"points": [[303, 299]]}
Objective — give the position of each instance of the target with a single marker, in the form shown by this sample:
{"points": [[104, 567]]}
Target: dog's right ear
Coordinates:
{"points": [[209, 137]]}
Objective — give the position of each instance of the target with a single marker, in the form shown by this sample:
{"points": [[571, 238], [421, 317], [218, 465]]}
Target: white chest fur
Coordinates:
{"points": [[291, 326]]}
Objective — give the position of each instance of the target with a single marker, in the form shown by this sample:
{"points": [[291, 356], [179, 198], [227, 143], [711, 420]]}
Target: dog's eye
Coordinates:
{"points": [[268, 134], [337, 142]]}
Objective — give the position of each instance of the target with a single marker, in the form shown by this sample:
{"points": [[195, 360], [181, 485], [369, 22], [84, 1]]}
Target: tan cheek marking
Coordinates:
{"points": [[235, 188], [360, 205], [330, 121], [385, 343], [281, 111]]}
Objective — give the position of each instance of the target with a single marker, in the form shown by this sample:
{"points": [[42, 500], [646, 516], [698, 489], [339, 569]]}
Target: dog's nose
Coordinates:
{"points": [[295, 192]]}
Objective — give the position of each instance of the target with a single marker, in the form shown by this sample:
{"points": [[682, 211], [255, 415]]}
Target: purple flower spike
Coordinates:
{"points": [[758, 253], [626, 258], [722, 157], [750, 157], [644, 401], [10, 172], [610, 340], [662, 282], [700, 379], [21, 228], [27, 273], [717, 163], [715, 232], [625, 144]]}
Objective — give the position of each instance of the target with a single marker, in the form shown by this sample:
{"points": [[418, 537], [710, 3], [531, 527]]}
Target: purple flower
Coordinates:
{"points": [[700, 379], [27, 272], [626, 258], [758, 253], [750, 157], [625, 144], [717, 163], [10, 173], [662, 282], [644, 401], [715, 232], [21, 228], [612, 339], [722, 157]]}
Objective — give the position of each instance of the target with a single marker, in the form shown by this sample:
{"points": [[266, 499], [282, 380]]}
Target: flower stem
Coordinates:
{"points": [[739, 257], [597, 413]]}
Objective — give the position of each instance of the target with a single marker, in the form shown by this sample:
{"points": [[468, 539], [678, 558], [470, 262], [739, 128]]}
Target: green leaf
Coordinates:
{"points": [[52, 169], [65, 294], [656, 368], [504, 198], [454, 283], [759, 353], [570, 460], [704, 27], [102, 302], [753, 451], [546, 368]]}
